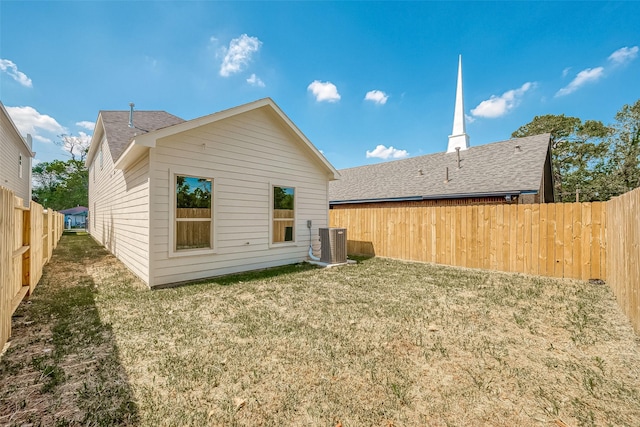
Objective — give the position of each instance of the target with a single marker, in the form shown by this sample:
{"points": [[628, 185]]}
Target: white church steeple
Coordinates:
{"points": [[458, 137]]}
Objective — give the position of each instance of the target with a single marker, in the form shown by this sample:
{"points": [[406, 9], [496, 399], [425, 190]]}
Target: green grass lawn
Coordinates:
{"points": [[380, 343]]}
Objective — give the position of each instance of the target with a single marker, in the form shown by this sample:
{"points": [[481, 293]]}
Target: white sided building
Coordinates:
{"points": [[15, 158], [233, 191]]}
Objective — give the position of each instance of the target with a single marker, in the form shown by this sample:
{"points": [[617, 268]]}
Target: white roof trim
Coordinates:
{"points": [[98, 130], [149, 139], [15, 128]]}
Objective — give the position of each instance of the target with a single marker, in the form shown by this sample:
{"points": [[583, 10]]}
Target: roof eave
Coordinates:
{"points": [[17, 132], [133, 152], [149, 139], [98, 130], [435, 197], [333, 172], [480, 194]]}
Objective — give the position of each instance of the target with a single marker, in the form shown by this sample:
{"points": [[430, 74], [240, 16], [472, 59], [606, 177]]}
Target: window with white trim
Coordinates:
{"points": [[283, 214], [193, 213]]}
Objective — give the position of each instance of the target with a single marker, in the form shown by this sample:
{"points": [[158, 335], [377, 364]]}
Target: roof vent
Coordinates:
{"points": [[131, 105], [446, 174], [518, 148], [420, 173]]}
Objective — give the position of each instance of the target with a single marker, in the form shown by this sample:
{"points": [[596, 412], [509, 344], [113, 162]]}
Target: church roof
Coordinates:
{"points": [[510, 167]]}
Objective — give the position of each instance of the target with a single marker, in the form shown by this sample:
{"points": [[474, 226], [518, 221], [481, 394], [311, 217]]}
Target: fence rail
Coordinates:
{"points": [[557, 240], [27, 239]]}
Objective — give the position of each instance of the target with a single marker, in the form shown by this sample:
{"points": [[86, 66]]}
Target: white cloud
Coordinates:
{"points": [[254, 80], [42, 138], [86, 124], [324, 91], [624, 54], [565, 72], [238, 54], [583, 77], [41, 126], [469, 119], [376, 96], [12, 70], [151, 61], [382, 152], [498, 106]]}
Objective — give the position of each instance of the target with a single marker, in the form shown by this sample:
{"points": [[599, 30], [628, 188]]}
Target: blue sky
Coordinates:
{"points": [[353, 76]]}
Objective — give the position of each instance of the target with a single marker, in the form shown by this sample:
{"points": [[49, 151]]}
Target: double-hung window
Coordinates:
{"points": [[283, 214], [193, 213]]}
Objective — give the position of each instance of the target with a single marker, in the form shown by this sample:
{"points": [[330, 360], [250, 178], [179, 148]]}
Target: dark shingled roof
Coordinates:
{"points": [[512, 166], [119, 134]]}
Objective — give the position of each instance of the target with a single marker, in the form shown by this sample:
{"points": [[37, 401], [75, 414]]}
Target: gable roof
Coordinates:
{"points": [[510, 167], [116, 128], [17, 132], [75, 211], [142, 142]]}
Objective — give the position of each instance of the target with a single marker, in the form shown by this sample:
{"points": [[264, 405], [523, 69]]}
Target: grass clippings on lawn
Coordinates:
{"points": [[379, 343]]}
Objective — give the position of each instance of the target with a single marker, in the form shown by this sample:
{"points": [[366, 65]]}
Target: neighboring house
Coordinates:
{"points": [[179, 200], [15, 158], [512, 171], [75, 217]]}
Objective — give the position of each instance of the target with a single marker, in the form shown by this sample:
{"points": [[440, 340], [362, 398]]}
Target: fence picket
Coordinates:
{"points": [[24, 249], [558, 240]]}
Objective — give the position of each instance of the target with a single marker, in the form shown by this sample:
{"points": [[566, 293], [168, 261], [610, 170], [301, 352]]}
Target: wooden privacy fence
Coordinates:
{"points": [[623, 253], [557, 240], [27, 239]]}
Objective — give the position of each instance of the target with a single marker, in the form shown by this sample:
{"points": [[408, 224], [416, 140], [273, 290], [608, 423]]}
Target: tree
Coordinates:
{"points": [[283, 198], [63, 184], [76, 146], [193, 192], [60, 184], [624, 144], [579, 154]]}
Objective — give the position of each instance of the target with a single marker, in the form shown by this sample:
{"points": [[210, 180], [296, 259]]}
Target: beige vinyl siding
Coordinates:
{"points": [[11, 147], [121, 212], [245, 155]]}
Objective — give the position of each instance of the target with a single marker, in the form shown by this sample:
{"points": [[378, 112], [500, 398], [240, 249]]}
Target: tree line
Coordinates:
{"points": [[591, 161]]}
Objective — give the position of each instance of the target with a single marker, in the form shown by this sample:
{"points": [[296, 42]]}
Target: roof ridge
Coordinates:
{"points": [[136, 111], [472, 148]]}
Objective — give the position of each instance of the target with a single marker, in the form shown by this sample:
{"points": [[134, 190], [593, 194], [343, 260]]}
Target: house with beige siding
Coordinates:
{"points": [[15, 158], [175, 200]]}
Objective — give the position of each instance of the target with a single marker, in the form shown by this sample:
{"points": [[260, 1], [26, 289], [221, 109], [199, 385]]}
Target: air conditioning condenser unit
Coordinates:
{"points": [[333, 245]]}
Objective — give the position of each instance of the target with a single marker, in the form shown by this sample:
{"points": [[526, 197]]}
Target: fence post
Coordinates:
{"points": [[26, 241], [6, 263]]}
